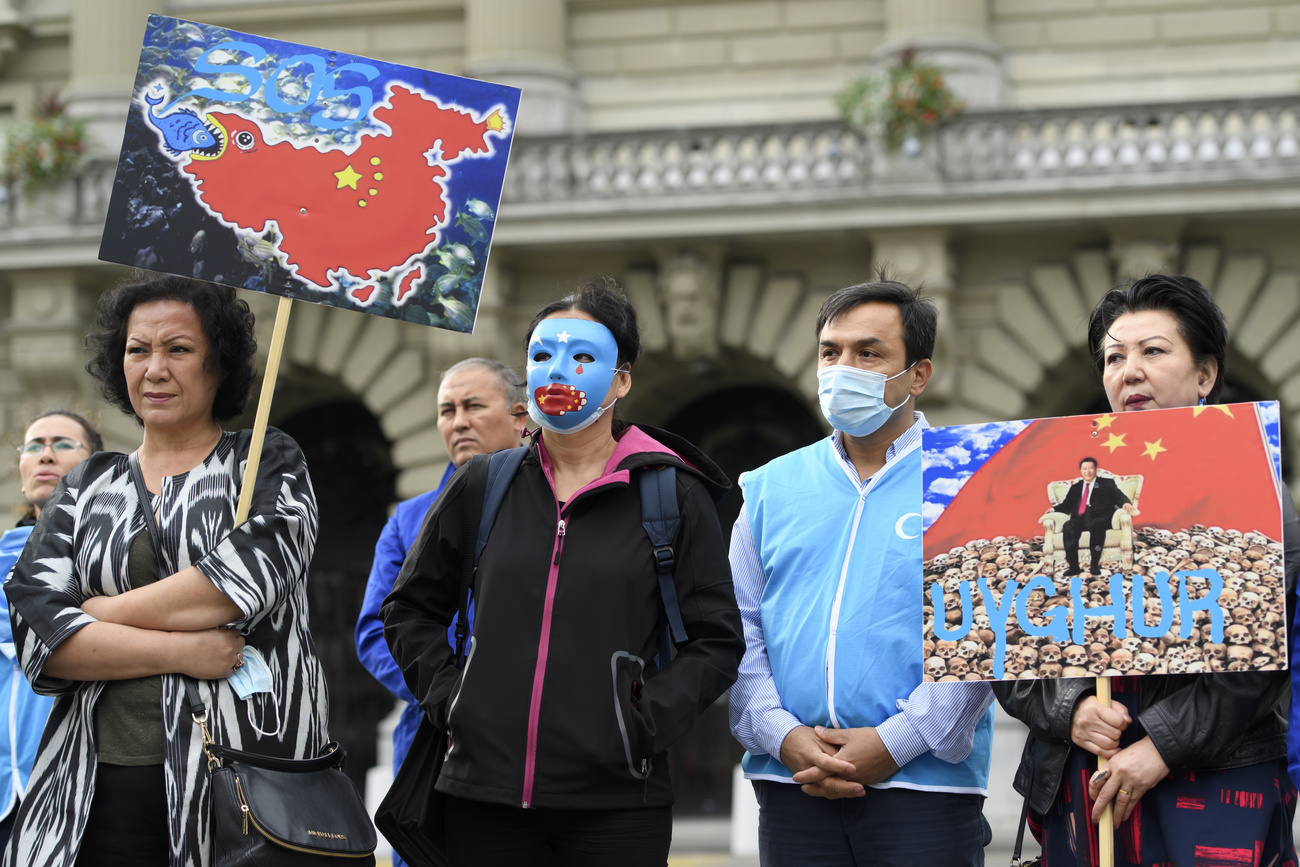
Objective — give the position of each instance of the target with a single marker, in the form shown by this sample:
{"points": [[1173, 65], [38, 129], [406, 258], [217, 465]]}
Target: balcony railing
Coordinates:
{"points": [[989, 153], [1006, 150]]}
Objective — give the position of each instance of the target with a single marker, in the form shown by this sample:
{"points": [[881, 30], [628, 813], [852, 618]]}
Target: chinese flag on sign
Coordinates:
{"points": [[1200, 465]]}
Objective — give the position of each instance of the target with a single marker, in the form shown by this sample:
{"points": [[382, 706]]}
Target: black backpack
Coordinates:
{"points": [[660, 517]]}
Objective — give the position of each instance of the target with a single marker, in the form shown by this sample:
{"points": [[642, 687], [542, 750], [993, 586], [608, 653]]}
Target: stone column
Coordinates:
{"points": [[953, 35], [524, 43], [45, 332], [921, 256], [105, 50], [12, 31]]}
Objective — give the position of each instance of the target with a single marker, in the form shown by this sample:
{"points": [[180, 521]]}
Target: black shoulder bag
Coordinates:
{"points": [[411, 814], [268, 810]]}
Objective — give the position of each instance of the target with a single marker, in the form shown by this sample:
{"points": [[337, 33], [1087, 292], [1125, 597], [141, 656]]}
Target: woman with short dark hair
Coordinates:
{"points": [[1178, 744], [110, 631], [561, 718]]}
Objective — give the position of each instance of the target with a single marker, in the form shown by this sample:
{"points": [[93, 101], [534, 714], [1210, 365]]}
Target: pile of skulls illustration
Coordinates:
{"points": [[1253, 601]]}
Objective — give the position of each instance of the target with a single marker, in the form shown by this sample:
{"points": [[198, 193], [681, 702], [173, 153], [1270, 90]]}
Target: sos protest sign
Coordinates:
{"points": [[1104, 545], [311, 174]]}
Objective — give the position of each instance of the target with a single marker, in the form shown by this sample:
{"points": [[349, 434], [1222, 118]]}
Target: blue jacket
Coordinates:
{"points": [[23, 712], [841, 606], [390, 552]]}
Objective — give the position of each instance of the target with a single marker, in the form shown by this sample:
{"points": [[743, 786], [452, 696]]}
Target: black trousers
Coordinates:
{"points": [[127, 826], [1095, 526], [494, 835], [883, 828]]}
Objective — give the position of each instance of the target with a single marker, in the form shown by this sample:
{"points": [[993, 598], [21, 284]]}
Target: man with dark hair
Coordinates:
{"points": [[826, 558], [480, 411], [1091, 504]]}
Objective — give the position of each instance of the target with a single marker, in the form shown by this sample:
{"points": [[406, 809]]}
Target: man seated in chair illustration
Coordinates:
{"points": [[1090, 507]]}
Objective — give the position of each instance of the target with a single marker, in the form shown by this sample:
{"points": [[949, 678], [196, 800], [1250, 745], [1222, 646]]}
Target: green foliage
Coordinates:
{"points": [[910, 99], [45, 151]]}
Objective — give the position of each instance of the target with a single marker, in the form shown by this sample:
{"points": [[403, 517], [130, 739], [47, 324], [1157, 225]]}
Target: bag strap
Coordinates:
{"points": [[1024, 809], [661, 517], [476, 488], [198, 709], [502, 467]]}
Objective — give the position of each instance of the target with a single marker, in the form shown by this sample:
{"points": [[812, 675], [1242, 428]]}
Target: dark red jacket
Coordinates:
{"points": [[559, 704]]}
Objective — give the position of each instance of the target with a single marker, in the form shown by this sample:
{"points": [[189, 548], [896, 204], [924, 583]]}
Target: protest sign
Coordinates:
{"points": [[311, 174], [1103, 545]]}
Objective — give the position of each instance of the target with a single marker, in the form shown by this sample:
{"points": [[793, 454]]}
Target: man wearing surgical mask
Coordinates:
{"points": [[826, 557]]}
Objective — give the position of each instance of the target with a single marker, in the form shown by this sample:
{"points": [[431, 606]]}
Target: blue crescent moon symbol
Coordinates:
{"points": [[898, 527]]}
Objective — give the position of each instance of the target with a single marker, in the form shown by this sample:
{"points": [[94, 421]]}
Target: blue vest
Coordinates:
{"points": [[22, 712], [841, 607]]}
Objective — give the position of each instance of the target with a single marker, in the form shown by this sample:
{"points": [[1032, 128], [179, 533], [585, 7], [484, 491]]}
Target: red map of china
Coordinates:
{"points": [[367, 212]]}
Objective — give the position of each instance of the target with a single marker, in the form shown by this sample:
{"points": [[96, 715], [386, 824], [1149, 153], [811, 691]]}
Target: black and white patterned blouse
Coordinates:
{"points": [[79, 549]]}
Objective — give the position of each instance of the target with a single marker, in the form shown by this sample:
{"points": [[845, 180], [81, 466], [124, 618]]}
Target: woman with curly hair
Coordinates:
{"points": [[111, 632]]}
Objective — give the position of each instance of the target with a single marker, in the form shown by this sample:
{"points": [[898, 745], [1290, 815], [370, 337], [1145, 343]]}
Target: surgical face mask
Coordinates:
{"points": [[251, 679], [571, 365], [853, 400]]}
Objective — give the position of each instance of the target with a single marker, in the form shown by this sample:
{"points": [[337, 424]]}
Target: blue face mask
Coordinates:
{"points": [[253, 678], [571, 365], [853, 400]]}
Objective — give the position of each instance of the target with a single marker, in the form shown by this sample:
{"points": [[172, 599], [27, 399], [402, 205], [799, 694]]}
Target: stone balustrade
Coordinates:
{"points": [[990, 153], [1006, 150]]}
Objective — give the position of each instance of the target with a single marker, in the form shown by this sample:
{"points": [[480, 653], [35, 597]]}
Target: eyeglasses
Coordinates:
{"points": [[58, 445]]}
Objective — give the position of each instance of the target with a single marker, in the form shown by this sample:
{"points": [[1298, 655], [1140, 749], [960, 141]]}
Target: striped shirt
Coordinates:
{"points": [[938, 718]]}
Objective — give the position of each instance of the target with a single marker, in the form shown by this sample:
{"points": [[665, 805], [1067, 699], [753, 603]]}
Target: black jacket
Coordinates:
{"points": [[1106, 498], [1196, 721], [560, 704]]}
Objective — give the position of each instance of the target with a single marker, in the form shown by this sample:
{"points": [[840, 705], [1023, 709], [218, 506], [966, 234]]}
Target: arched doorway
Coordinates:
{"points": [[354, 479], [739, 428], [744, 427]]}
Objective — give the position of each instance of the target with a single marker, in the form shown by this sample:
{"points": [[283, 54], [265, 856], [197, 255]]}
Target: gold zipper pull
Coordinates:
{"points": [[243, 805]]}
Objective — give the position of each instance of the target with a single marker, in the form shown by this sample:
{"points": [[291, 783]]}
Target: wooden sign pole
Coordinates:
{"points": [[1106, 827], [263, 409]]}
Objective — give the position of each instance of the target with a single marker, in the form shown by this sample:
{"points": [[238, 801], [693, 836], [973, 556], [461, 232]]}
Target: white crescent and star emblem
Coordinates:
{"points": [[898, 526]]}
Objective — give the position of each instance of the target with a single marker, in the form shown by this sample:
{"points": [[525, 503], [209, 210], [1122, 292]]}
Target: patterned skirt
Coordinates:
{"points": [[1234, 818]]}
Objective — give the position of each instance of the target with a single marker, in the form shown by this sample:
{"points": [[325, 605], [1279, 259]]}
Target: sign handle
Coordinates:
{"points": [[1106, 827], [263, 409]]}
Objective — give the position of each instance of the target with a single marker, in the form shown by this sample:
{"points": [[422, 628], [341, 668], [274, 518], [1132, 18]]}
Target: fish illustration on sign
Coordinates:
{"points": [[338, 210], [182, 130]]}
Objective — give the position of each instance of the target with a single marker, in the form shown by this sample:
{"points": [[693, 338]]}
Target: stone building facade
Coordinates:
{"points": [[691, 150]]}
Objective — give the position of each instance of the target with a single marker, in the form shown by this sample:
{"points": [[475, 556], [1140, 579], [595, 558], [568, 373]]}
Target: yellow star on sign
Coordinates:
{"points": [[1115, 441], [1223, 408], [347, 178], [1155, 448], [1104, 421], [495, 122]]}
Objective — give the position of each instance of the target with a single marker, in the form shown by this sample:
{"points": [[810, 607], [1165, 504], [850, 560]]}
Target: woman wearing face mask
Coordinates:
{"points": [[561, 719], [53, 443], [1184, 747]]}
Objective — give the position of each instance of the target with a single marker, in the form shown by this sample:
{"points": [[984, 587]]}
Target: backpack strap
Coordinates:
{"points": [[475, 482], [502, 467], [661, 518], [489, 476]]}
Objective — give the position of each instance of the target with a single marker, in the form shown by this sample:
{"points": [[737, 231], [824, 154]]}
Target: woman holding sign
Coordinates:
{"points": [[108, 630], [1197, 762]]}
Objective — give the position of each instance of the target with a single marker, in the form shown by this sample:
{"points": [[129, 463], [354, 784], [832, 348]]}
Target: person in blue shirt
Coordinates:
{"points": [[53, 443], [855, 761], [480, 410]]}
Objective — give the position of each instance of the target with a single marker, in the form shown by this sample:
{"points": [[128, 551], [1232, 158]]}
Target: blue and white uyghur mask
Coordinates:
{"points": [[571, 365]]}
